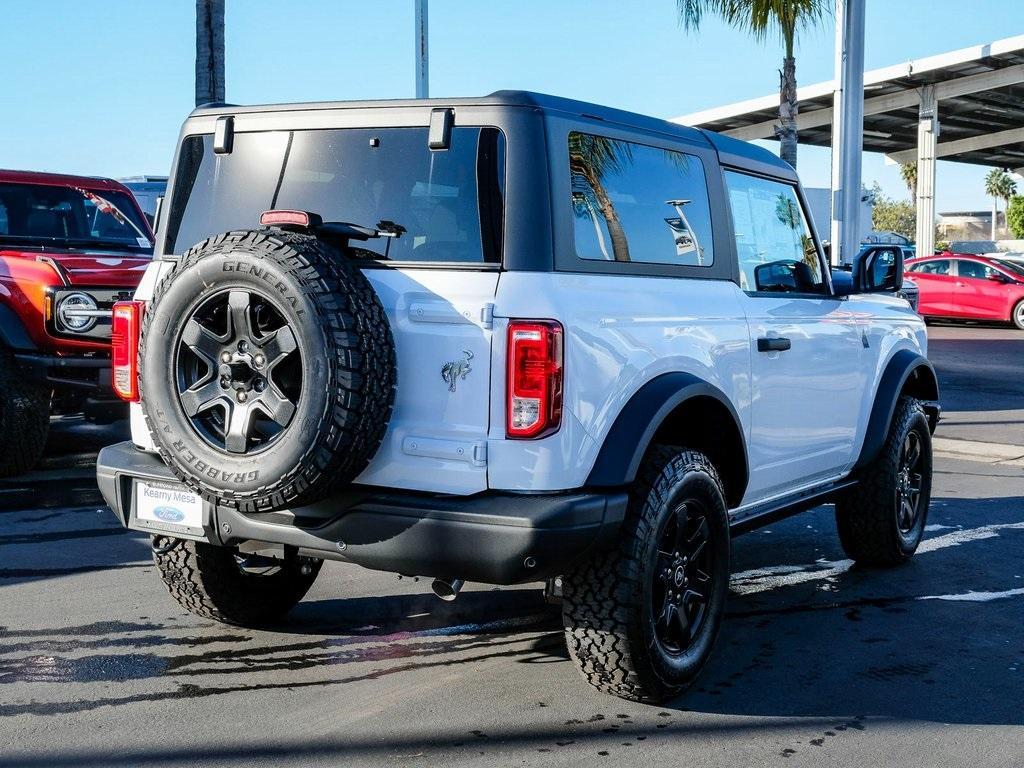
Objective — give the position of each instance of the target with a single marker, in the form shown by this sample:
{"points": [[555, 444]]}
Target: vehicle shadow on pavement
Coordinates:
{"points": [[488, 610], [937, 639], [809, 636]]}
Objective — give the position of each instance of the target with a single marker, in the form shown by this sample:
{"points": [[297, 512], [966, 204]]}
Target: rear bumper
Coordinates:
{"points": [[495, 538]]}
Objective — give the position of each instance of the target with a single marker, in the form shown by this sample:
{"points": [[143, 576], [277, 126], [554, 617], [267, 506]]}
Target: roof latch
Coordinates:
{"points": [[224, 135], [440, 135]]}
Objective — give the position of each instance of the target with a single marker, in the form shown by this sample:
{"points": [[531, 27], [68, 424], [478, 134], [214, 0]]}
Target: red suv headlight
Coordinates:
{"points": [[124, 348], [534, 362]]}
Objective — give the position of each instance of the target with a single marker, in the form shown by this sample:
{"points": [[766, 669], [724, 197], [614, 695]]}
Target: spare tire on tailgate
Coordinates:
{"points": [[267, 369]]}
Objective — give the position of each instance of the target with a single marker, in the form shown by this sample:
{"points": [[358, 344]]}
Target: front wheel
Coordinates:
{"points": [[24, 419], [641, 618], [881, 521], [1017, 318], [214, 582]]}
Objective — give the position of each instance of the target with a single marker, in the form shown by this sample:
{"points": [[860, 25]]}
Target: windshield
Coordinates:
{"points": [[448, 202], [68, 216], [1015, 268]]}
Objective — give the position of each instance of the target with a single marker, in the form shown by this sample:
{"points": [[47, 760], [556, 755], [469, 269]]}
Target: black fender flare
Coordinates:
{"points": [[901, 367], [12, 331], [627, 441]]}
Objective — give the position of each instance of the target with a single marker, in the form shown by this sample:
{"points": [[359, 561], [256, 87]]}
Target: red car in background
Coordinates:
{"points": [[962, 285], [70, 246]]}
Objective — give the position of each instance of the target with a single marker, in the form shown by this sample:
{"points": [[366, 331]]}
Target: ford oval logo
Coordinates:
{"points": [[169, 514]]}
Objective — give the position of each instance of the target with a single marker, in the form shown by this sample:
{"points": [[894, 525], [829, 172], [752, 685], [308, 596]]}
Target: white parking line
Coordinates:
{"points": [[773, 577], [976, 597]]}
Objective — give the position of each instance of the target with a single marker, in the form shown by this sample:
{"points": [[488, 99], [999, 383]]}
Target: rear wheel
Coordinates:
{"points": [[1017, 318], [215, 582], [24, 420], [641, 618], [881, 521]]}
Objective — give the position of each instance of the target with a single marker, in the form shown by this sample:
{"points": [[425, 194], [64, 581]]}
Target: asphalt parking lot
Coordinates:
{"points": [[820, 663]]}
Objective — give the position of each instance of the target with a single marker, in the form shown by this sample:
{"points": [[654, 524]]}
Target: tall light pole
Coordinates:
{"points": [[847, 130], [422, 68]]}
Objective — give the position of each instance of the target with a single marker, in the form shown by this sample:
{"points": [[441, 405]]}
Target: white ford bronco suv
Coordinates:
{"points": [[505, 339]]}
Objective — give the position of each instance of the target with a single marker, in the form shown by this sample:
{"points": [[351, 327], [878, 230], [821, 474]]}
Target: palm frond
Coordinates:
{"points": [[759, 18]]}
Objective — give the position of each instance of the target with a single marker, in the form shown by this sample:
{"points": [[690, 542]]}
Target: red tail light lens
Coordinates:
{"points": [[534, 406], [124, 351]]}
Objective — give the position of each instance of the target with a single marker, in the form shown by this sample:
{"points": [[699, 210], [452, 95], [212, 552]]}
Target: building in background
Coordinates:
{"points": [[971, 225]]}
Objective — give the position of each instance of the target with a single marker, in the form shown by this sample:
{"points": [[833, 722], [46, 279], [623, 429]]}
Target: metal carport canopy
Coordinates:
{"points": [[973, 98]]}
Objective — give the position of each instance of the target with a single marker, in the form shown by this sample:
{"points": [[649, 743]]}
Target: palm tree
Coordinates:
{"points": [[760, 18], [998, 185], [1007, 189], [209, 51], [590, 158], [908, 172]]}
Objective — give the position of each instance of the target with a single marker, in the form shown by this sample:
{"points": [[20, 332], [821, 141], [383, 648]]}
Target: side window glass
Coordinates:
{"points": [[972, 269], [940, 267], [773, 241], [631, 202]]}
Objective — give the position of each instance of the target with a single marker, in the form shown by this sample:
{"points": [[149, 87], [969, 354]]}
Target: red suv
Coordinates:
{"points": [[962, 285], [70, 246]]}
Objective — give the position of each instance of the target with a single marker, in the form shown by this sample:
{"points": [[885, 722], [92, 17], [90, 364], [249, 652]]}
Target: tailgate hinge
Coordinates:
{"points": [[487, 315]]}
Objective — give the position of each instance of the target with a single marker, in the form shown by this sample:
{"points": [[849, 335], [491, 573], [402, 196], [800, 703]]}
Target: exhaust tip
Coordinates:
{"points": [[447, 589]]}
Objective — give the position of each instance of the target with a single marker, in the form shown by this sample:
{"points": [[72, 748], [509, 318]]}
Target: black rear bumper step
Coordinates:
{"points": [[492, 537]]}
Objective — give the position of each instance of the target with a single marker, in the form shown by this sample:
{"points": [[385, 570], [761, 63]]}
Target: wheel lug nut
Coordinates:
{"points": [[259, 385], [259, 360], [242, 397], [243, 346], [226, 357]]}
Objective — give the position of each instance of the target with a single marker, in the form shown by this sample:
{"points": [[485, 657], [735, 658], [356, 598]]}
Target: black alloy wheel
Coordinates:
{"points": [[238, 371], [682, 578], [909, 482]]}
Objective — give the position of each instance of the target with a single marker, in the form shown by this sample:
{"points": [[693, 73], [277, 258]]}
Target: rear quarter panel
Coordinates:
{"points": [[619, 334]]}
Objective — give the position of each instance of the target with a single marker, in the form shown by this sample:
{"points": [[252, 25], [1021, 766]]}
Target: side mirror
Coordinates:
{"points": [[999, 277], [878, 269]]}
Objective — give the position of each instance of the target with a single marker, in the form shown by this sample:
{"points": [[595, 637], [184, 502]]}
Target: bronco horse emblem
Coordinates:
{"points": [[452, 371]]}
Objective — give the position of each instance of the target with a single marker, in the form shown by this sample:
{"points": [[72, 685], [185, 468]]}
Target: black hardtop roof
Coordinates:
{"points": [[732, 150]]}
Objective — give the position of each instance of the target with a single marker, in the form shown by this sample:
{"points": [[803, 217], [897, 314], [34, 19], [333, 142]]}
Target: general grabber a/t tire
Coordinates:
{"points": [[210, 581], [642, 616], [267, 369], [881, 520]]}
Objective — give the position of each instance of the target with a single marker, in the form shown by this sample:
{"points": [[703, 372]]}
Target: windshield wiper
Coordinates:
{"points": [[344, 231]]}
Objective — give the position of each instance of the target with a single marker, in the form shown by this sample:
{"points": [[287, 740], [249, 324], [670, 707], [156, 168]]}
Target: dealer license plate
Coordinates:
{"points": [[168, 504]]}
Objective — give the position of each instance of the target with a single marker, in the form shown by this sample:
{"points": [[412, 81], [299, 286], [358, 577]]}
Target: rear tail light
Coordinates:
{"points": [[534, 406], [124, 352]]}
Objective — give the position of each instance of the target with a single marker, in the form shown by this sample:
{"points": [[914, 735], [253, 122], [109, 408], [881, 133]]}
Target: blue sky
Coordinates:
{"points": [[102, 87]]}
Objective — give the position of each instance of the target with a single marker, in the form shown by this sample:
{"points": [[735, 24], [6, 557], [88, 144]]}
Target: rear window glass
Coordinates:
{"points": [[449, 202]]}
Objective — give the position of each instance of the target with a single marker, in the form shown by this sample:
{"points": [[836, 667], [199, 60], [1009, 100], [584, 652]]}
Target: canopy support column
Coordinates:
{"points": [[927, 137], [847, 131]]}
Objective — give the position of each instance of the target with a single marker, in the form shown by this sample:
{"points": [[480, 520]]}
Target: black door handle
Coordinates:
{"points": [[773, 344]]}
